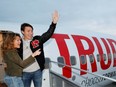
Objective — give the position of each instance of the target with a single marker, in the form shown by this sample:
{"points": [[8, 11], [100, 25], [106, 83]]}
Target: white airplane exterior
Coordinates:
{"points": [[83, 50]]}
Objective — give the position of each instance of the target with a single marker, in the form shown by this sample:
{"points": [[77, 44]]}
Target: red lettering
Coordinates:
{"points": [[112, 43], [108, 52], [60, 39], [82, 51], [100, 50]]}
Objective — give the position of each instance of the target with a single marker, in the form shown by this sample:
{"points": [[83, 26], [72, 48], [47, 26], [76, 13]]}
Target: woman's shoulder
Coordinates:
{"points": [[10, 51]]}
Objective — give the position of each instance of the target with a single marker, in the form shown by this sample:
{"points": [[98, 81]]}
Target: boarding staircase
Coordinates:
{"points": [[57, 80]]}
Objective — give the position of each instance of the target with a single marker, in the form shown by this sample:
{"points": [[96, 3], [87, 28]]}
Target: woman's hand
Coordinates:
{"points": [[37, 52]]}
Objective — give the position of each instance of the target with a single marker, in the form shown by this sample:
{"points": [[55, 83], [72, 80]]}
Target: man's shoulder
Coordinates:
{"points": [[36, 37]]}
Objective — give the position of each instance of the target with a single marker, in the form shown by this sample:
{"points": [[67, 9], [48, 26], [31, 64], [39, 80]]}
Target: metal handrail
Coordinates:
{"points": [[108, 78], [62, 77]]}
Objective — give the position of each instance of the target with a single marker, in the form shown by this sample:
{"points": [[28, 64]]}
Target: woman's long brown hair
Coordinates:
{"points": [[8, 41], [3, 35]]}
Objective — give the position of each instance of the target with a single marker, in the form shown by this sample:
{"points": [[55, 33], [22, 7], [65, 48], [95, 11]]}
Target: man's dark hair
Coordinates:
{"points": [[25, 25]]}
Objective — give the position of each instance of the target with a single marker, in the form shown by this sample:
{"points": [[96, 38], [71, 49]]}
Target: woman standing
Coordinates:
{"points": [[1, 60], [14, 63], [2, 64]]}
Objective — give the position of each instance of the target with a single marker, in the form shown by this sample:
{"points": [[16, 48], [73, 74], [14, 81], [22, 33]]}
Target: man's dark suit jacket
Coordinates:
{"points": [[37, 43]]}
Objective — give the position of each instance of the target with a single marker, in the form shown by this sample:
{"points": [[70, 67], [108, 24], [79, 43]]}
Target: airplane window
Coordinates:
{"points": [[98, 58], [60, 60], [91, 57], [104, 57], [83, 59], [114, 55], [109, 56], [73, 60]]}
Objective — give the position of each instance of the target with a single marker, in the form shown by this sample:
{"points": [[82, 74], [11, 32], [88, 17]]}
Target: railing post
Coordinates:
{"points": [[49, 74]]}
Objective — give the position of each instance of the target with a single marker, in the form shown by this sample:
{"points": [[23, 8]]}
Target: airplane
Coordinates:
{"points": [[86, 58]]}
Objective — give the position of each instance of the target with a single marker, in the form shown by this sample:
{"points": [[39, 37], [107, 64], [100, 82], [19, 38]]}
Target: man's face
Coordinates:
{"points": [[28, 33]]}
